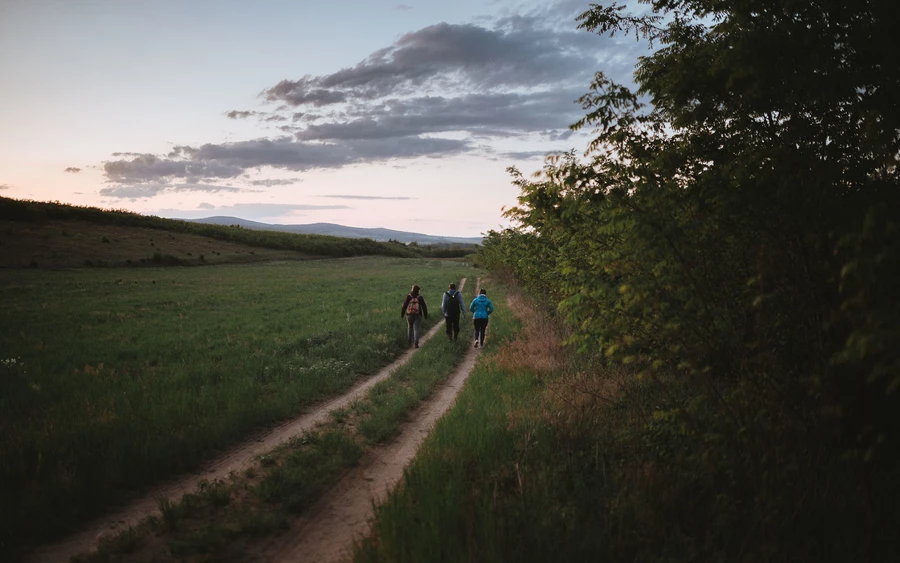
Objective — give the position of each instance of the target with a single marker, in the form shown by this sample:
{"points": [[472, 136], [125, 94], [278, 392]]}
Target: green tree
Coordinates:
{"points": [[742, 226]]}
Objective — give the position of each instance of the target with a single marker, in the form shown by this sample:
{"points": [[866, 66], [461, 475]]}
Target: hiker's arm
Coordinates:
{"points": [[403, 308], [424, 306]]}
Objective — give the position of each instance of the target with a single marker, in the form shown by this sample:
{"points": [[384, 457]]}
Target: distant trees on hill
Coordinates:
{"points": [[321, 245]]}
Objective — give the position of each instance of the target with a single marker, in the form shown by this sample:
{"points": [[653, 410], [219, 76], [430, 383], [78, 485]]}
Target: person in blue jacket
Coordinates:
{"points": [[481, 308]]}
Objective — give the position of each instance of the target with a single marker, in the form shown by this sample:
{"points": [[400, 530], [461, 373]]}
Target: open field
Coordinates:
{"points": [[55, 235], [78, 244], [268, 509], [115, 378]]}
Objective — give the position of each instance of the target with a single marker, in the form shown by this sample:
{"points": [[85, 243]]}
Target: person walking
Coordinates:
{"points": [[452, 307], [481, 308], [414, 309]]}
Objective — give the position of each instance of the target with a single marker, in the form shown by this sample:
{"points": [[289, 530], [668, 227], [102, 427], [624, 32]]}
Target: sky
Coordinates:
{"points": [[365, 113]]}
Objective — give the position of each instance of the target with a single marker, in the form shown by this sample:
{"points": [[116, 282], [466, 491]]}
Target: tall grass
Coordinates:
{"points": [[123, 377]]}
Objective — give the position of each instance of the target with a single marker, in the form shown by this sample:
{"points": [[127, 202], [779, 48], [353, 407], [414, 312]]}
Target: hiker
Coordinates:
{"points": [[452, 307], [481, 308], [414, 308]]}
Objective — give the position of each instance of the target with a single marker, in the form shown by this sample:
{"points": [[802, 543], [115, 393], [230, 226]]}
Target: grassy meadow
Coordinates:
{"points": [[112, 378], [233, 519]]}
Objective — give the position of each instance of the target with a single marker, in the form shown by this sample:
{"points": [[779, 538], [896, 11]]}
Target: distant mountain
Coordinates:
{"points": [[334, 230]]}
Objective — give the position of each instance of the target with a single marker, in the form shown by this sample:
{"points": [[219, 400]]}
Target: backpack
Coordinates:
{"points": [[413, 307], [452, 303]]}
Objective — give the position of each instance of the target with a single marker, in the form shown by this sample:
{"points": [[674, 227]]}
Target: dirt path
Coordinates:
{"points": [[325, 532], [236, 459]]}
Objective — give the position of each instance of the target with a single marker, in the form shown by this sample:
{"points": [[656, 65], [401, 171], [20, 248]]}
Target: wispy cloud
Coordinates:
{"points": [[229, 160], [153, 189], [403, 7], [365, 197], [524, 155], [72, 169], [276, 182], [240, 114], [5, 186]]}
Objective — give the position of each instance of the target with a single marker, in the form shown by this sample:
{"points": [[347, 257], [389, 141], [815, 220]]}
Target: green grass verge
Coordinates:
{"points": [[112, 379], [584, 461], [221, 520]]}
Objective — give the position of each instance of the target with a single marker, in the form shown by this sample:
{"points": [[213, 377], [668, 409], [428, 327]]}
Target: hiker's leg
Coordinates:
{"points": [[417, 322], [409, 328], [455, 322], [479, 330], [448, 321], [483, 330]]}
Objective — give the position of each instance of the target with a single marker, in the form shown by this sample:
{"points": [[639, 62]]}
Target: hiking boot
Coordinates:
{"points": [[476, 344], [417, 343]]}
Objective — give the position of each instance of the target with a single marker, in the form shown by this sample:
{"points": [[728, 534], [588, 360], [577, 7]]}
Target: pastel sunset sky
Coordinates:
{"points": [[364, 113]]}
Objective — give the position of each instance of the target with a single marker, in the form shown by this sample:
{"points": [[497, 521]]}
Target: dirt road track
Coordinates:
{"points": [[236, 459], [324, 534]]}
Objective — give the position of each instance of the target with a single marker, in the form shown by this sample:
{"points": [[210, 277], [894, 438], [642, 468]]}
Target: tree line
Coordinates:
{"points": [[734, 221]]}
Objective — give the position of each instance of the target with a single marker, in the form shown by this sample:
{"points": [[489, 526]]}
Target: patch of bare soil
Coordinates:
{"points": [[79, 244], [236, 459]]}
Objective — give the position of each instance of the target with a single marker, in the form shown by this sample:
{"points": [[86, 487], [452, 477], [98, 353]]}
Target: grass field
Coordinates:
{"points": [[114, 378], [231, 520]]}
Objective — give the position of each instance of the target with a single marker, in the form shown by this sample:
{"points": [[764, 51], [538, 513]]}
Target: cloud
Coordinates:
{"points": [[276, 182], [72, 169], [206, 206], [153, 189], [228, 160], [442, 90], [240, 114], [5, 186], [365, 197], [403, 7], [525, 155], [520, 53], [493, 114]]}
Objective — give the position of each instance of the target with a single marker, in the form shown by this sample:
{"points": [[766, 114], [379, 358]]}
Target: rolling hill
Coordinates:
{"points": [[331, 229]]}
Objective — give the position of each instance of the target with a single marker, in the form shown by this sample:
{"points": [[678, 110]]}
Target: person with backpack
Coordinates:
{"points": [[481, 308], [414, 309], [452, 307]]}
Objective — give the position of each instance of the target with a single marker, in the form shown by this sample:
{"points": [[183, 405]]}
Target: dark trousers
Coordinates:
{"points": [[480, 327], [452, 326]]}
